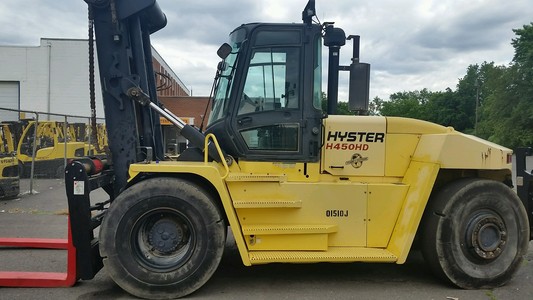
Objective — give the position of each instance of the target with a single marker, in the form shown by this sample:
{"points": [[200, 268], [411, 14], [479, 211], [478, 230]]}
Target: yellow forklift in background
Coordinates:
{"points": [[9, 170], [54, 145]]}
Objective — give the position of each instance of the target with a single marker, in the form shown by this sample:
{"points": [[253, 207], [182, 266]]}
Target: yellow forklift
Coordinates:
{"points": [[293, 183], [9, 171], [54, 146]]}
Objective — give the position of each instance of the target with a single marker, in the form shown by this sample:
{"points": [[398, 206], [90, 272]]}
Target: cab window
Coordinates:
{"points": [[272, 81], [279, 137]]}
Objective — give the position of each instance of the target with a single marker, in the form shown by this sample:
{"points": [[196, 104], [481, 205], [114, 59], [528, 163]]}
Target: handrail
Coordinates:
{"points": [[219, 150]]}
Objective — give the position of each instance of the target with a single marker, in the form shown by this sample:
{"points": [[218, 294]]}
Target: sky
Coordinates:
{"points": [[410, 44]]}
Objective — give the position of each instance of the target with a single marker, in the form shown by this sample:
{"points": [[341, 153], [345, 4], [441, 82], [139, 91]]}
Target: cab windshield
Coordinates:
{"points": [[225, 80]]}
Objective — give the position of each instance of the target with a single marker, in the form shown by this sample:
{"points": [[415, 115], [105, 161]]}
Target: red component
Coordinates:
{"points": [[98, 165], [41, 279], [92, 165]]}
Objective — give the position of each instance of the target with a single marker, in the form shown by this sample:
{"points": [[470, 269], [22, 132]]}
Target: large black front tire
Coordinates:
{"points": [[475, 233], [162, 238]]}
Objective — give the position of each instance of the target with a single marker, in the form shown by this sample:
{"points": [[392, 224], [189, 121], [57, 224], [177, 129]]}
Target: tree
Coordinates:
{"points": [[407, 104], [467, 99], [342, 107], [523, 57], [494, 100], [510, 104], [442, 108], [375, 106]]}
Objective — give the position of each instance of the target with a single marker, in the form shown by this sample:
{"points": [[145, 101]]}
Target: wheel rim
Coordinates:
{"points": [[162, 240], [486, 236]]}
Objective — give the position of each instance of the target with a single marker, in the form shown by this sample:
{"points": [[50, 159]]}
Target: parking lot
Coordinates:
{"points": [[44, 214]]}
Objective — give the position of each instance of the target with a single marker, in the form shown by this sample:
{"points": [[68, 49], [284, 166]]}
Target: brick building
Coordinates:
{"points": [[169, 84]]}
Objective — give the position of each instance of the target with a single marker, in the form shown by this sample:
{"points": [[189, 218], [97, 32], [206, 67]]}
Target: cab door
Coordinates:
{"points": [[269, 121]]}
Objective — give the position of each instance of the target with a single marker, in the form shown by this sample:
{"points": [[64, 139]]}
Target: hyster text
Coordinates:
{"points": [[354, 136]]}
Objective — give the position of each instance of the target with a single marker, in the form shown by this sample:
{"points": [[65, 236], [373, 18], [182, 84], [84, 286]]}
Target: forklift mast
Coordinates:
{"points": [[122, 30]]}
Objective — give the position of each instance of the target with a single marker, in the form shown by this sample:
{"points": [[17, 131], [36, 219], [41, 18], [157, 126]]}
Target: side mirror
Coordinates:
{"points": [[224, 51], [359, 87]]}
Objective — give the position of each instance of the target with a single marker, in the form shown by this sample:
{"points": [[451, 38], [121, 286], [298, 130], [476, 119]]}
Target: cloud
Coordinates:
{"points": [[431, 43], [206, 22], [24, 22], [194, 64], [471, 29], [410, 44]]}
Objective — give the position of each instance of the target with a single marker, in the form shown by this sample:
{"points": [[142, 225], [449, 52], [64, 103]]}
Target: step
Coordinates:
{"points": [[235, 177], [332, 254], [287, 229], [265, 203]]}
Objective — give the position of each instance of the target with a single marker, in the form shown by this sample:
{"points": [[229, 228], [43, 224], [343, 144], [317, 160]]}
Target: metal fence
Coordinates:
{"points": [[36, 145]]}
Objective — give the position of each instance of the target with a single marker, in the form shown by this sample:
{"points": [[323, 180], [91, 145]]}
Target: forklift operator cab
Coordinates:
{"points": [[265, 112]]}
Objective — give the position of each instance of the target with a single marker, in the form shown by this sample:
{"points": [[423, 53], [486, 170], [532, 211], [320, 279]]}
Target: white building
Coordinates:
{"points": [[54, 78]]}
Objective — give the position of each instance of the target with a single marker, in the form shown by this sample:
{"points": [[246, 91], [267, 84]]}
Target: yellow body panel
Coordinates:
{"points": [[384, 203], [354, 150], [347, 207], [399, 153], [420, 177], [287, 237], [322, 204], [397, 125], [460, 151], [307, 172]]}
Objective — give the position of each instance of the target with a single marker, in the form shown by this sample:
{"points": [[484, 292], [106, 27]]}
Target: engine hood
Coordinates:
{"points": [[450, 148], [385, 146]]}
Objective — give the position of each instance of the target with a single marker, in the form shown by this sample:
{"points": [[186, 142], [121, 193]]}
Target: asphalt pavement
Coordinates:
{"points": [[43, 214]]}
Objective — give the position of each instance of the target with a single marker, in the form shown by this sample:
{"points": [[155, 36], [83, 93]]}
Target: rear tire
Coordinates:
{"points": [[475, 233], [162, 238]]}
